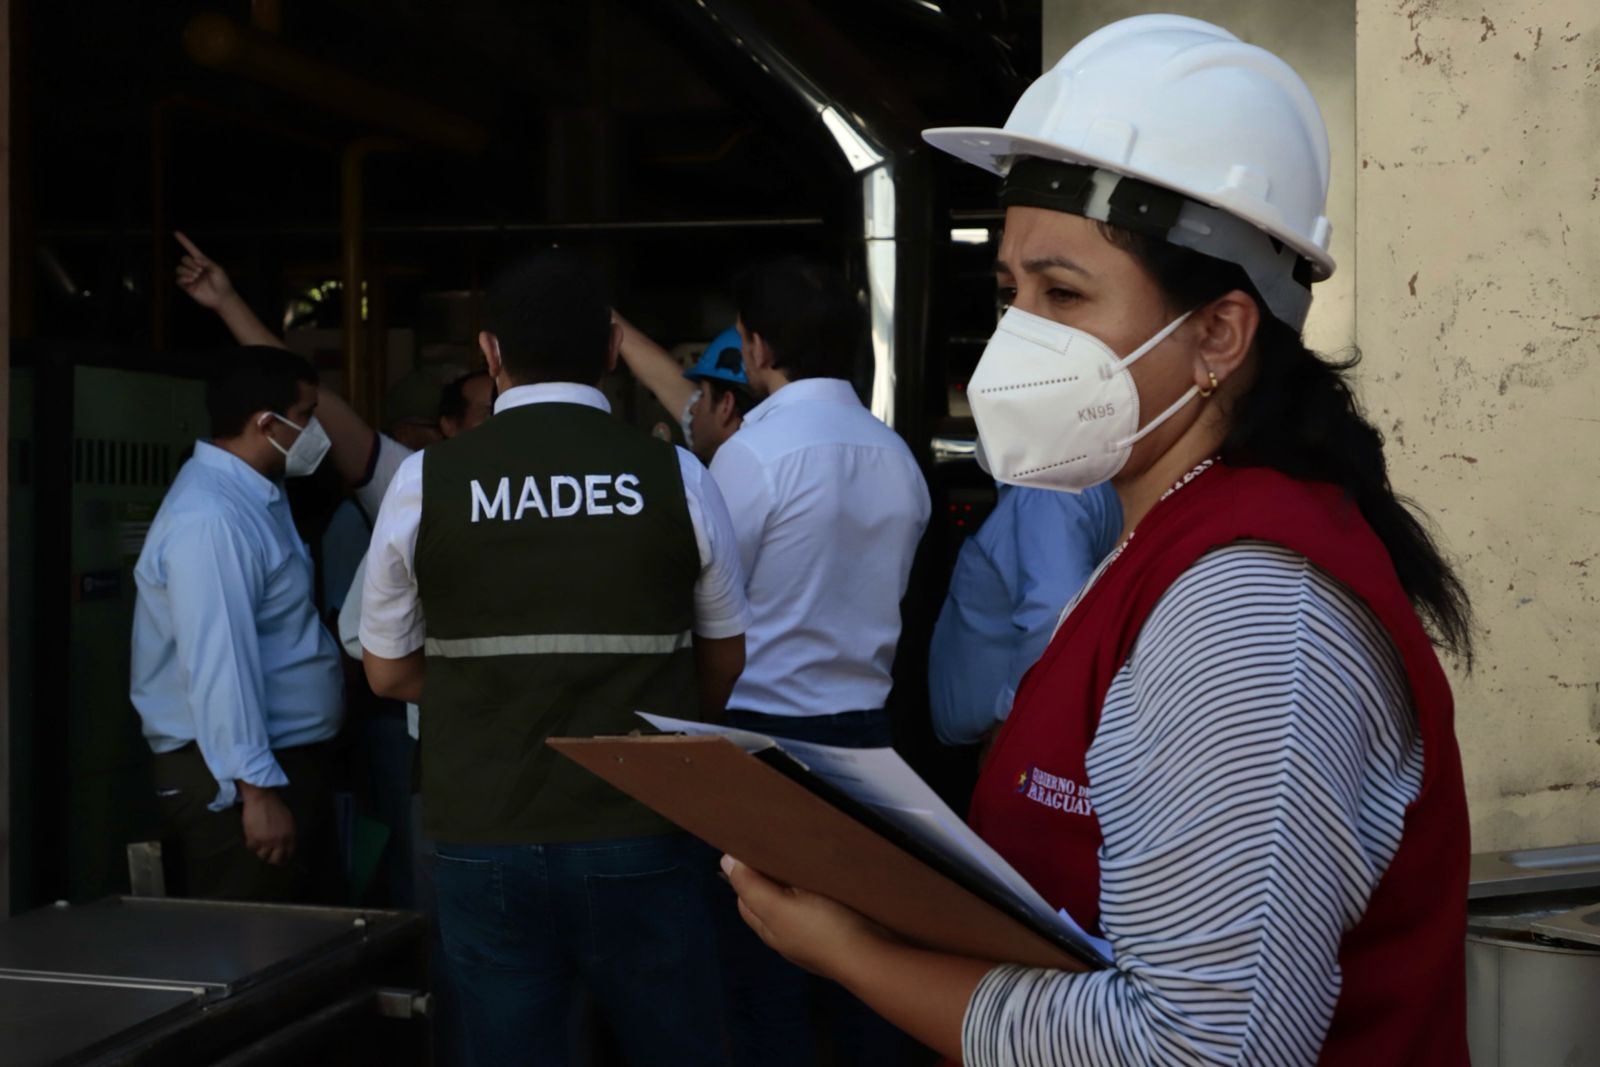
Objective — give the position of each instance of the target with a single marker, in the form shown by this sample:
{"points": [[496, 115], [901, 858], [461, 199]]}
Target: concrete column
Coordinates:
{"points": [[1478, 232]]}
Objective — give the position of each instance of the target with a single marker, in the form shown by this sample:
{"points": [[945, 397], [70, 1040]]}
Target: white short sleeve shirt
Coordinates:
{"points": [[828, 506]]}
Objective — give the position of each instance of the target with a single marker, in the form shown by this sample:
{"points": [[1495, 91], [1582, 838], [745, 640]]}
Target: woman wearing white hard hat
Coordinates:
{"points": [[1236, 760]]}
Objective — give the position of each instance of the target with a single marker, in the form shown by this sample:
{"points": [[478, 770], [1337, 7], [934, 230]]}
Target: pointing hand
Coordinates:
{"points": [[205, 282]]}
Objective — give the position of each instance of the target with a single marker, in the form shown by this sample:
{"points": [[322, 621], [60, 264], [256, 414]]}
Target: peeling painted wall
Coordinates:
{"points": [[1478, 312], [1466, 142]]}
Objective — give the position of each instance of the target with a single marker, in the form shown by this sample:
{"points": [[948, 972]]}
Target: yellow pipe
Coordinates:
{"points": [[359, 382], [216, 41]]}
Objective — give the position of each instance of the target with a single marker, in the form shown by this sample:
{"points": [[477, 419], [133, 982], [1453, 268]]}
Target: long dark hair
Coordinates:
{"points": [[1301, 417]]}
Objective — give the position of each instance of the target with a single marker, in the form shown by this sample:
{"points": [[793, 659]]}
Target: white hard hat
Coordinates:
{"points": [[1187, 106]]}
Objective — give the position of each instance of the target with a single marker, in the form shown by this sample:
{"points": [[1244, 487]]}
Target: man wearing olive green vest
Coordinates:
{"points": [[547, 575]]}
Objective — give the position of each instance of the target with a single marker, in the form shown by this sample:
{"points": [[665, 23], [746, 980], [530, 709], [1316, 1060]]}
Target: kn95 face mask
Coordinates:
{"points": [[302, 458], [1055, 407]]}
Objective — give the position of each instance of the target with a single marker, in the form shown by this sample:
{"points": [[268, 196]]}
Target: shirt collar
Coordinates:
{"points": [[826, 390], [552, 393], [237, 470]]}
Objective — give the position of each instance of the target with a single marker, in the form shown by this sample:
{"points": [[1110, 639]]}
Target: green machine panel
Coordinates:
{"points": [[131, 433], [21, 453]]}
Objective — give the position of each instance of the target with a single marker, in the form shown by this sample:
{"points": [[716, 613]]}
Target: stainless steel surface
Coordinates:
{"points": [[45, 1022], [953, 449], [1542, 870], [293, 1043], [210, 944], [1531, 1004], [1530, 1001], [403, 1003], [136, 982], [1580, 924]]}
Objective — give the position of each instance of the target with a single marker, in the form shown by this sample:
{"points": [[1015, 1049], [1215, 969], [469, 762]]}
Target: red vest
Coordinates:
{"points": [[1403, 995]]}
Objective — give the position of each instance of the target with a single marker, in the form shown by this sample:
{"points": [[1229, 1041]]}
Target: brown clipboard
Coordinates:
{"points": [[743, 806]]}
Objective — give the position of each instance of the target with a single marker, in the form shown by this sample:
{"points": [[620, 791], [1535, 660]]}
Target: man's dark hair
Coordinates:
{"points": [[453, 397], [552, 317], [805, 312], [253, 378], [742, 400]]}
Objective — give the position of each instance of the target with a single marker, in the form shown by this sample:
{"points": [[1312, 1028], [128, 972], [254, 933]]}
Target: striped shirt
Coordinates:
{"points": [[1251, 773]]}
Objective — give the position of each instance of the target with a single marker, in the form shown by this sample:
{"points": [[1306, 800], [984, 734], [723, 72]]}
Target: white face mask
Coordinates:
{"points": [[686, 419], [304, 456], [1056, 408]]}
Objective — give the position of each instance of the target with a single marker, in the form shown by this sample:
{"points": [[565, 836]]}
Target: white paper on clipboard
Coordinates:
{"points": [[881, 780]]}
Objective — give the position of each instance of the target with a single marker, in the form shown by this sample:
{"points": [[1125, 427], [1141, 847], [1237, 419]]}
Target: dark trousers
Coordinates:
{"points": [[524, 924], [384, 754], [206, 855], [773, 1006], [848, 729]]}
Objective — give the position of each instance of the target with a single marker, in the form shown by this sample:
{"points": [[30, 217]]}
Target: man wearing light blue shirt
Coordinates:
{"points": [[1011, 581], [236, 679]]}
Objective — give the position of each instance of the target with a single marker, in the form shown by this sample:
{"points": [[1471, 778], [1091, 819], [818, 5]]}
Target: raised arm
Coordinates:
{"points": [[352, 439], [208, 285], [655, 367]]}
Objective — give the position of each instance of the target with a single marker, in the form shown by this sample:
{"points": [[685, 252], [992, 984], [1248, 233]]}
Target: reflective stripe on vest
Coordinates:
{"points": [[559, 644]]}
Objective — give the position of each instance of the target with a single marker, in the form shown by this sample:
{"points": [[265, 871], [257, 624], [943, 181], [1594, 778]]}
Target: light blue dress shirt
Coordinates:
{"points": [[1011, 581], [228, 651]]}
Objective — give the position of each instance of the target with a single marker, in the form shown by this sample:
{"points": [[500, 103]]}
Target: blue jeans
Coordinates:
{"points": [[523, 924], [771, 1003]]}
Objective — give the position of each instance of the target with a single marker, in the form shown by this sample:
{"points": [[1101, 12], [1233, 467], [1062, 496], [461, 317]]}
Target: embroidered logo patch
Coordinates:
{"points": [[1054, 792]]}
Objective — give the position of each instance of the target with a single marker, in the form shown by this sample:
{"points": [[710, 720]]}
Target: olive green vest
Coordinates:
{"points": [[556, 565]]}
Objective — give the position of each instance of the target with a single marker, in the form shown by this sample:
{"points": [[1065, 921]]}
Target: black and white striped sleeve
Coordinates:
{"points": [[1251, 772]]}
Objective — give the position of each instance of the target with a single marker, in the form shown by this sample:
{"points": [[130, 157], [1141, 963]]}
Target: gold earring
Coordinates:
{"points": [[1213, 376]]}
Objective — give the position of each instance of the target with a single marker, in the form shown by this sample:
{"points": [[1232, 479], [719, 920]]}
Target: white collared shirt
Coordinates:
{"points": [[392, 625], [828, 506]]}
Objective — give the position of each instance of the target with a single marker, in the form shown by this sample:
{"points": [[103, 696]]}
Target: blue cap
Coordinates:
{"points": [[722, 361]]}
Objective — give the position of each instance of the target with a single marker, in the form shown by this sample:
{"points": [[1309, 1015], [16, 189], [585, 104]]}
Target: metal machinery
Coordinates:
{"points": [[22, 488], [1533, 957], [183, 982], [114, 440]]}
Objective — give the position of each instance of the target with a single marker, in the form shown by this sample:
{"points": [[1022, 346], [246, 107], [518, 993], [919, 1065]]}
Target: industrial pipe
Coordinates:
{"points": [[642, 227], [217, 42], [871, 127], [360, 384], [266, 16]]}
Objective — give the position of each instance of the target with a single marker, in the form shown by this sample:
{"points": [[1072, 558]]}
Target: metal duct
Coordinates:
{"points": [[876, 139]]}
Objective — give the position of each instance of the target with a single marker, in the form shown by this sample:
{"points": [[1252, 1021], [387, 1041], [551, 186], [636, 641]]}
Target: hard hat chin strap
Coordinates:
{"points": [[1280, 275]]}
